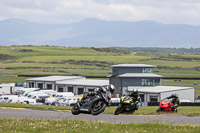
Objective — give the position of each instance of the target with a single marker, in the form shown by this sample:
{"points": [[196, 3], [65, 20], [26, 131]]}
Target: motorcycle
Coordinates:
{"points": [[127, 105], [165, 106], [92, 104]]}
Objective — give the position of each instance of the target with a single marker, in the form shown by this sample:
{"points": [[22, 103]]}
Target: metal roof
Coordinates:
{"points": [[138, 75], [54, 78], [84, 82], [7, 84], [133, 65], [157, 89]]}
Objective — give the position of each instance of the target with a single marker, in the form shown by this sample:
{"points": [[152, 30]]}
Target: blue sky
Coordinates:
{"points": [[66, 11]]}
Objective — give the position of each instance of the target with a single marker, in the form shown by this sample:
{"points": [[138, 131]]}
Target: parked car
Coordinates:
{"points": [[40, 98], [195, 83]]}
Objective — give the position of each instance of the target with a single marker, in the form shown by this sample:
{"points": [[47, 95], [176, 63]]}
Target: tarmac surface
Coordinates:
{"points": [[109, 118]]}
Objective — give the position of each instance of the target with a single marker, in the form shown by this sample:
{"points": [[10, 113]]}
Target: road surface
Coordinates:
{"points": [[110, 118]]}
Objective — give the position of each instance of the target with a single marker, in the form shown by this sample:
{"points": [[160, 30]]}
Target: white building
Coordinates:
{"points": [[75, 84], [125, 77], [49, 82], [157, 93], [78, 86]]}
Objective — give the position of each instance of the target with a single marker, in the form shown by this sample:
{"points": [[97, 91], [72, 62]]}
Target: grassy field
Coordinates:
{"points": [[73, 126], [151, 110], [12, 79], [41, 60], [49, 60]]}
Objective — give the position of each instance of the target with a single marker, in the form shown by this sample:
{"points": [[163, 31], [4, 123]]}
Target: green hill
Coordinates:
{"points": [[50, 60]]}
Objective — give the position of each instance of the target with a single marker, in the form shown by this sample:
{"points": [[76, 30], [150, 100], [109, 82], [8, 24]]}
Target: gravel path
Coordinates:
{"points": [[110, 118]]}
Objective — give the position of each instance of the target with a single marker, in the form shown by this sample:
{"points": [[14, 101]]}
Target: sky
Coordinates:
{"points": [[66, 11]]}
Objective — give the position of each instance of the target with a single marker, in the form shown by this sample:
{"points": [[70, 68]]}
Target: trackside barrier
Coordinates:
{"points": [[142, 104], [182, 104]]}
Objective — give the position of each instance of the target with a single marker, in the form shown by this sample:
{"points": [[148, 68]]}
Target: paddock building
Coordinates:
{"points": [[75, 84], [125, 77], [157, 93]]}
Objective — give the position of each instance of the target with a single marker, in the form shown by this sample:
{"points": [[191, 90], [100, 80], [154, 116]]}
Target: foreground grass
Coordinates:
{"points": [[37, 125], [151, 110]]}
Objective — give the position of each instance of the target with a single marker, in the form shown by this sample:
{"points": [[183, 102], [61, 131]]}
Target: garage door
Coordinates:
{"points": [[80, 90]]}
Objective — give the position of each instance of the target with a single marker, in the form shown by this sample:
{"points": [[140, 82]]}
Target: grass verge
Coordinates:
{"points": [[37, 125], [16, 105]]}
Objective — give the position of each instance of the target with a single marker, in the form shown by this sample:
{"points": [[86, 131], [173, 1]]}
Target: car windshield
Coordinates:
{"points": [[42, 97]]}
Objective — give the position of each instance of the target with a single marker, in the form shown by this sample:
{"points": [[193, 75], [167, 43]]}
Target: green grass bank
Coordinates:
{"points": [[73, 126]]}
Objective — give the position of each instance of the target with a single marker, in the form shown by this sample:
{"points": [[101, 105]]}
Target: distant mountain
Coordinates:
{"points": [[98, 33]]}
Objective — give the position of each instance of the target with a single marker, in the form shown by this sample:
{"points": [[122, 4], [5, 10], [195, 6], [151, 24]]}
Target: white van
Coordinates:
{"points": [[70, 101], [65, 94], [115, 100], [22, 90], [48, 91], [56, 97], [25, 100], [8, 98]]}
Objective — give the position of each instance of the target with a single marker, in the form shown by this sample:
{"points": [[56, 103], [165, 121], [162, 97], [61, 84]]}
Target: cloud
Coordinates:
{"points": [[64, 11]]}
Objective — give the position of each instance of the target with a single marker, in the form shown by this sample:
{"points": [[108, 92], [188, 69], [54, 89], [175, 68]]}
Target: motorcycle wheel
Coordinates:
{"points": [[118, 110], [75, 109], [98, 107], [158, 110]]}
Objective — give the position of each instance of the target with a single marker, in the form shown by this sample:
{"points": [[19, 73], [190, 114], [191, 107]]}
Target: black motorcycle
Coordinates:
{"points": [[127, 105], [92, 104]]}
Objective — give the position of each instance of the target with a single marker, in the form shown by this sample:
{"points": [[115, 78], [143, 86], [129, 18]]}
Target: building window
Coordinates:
{"points": [[70, 89], [142, 97], [90, 90], [60, 89], [153, 98], [80, 91], [148, 82], [127, 83], [147, 70], [115, 72], [40, 85], [31, 84], [49, 86]]}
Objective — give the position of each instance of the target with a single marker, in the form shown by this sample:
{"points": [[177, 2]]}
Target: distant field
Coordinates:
{"points": [[49, 60], [12, 79]]}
